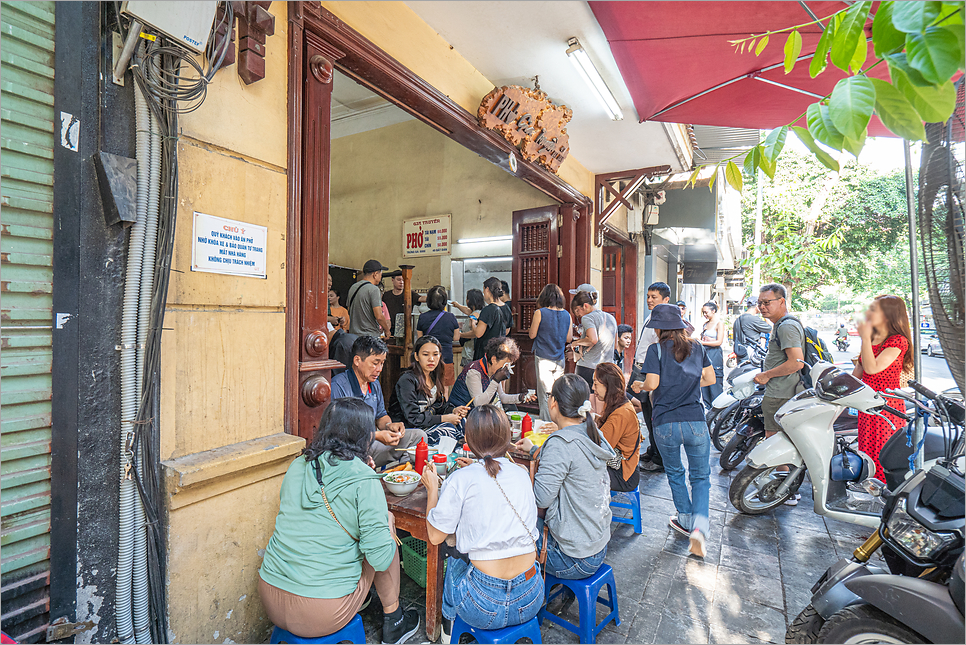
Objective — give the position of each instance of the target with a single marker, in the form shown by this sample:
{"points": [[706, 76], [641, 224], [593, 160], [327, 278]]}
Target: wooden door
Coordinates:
{"points": [[612, 277], [536, 253]]}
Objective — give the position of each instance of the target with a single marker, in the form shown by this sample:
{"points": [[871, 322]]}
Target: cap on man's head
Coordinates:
{"points": [[751, 302], [589, 288], [371, 266], [681, 303]]}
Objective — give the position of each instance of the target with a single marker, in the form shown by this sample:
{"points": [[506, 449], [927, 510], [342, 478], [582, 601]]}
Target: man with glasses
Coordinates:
{"points": [[784, 359]]}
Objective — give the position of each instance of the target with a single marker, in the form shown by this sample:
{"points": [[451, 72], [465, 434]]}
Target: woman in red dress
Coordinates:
{"points": [[886, 350]]}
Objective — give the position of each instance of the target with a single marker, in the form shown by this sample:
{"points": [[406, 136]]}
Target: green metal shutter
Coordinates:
{"points": [[27, 166]]}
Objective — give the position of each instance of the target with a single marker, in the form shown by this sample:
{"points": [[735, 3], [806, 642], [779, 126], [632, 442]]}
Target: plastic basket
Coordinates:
{"points": [[413, 555]]}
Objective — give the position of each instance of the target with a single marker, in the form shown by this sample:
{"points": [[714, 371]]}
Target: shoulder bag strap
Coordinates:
{"points": [[434, 322], [352, 297], [325, 500], [541, 553]]}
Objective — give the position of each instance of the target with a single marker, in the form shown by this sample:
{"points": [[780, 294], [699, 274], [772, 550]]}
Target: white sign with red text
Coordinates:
{"points": [[427, 236], [228, 246]]}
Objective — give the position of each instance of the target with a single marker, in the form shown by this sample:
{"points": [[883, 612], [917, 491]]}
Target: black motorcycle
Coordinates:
{"points": [[918, 596], [842, 344]]}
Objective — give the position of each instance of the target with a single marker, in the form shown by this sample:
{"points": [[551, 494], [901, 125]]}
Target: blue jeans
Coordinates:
{"points": [[693, 435], [566, 567], [486, 602]]}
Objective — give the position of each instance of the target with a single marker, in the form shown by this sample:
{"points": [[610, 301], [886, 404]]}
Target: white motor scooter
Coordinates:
{"points": [[808, 442]]}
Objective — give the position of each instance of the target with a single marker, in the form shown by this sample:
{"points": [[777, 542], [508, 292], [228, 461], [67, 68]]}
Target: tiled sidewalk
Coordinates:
{"points": [[754, 581]]}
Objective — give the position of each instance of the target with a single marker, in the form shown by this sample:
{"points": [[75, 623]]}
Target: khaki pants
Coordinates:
{"points": [[769, 407], [316, 617], [382, 454]]}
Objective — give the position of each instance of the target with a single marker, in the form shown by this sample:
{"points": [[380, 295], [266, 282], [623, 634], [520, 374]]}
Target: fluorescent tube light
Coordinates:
{"points": [[506, 258], [588, 71], [494, 238]]}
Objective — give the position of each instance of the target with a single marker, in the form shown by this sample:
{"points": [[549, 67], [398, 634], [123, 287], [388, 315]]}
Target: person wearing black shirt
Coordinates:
{"points": [[505, 302], [492, 323], [442, 325], [395, 302]]}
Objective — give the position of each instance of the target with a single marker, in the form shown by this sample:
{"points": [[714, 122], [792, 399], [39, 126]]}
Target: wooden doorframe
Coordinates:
{"points": [[630, 259], [341, 47]]}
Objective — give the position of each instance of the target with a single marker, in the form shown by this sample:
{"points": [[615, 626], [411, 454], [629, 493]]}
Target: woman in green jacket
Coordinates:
{"points": [[334, 535]]}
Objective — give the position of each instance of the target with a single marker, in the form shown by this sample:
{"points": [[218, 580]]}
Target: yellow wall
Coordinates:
{"points": [[223, 358], [406, 171]]}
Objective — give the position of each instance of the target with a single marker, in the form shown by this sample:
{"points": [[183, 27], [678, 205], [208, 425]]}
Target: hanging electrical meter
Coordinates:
{"points": [[187, 23]]}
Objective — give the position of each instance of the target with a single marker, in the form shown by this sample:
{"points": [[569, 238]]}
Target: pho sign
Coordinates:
{"points": [[527, 119], [427, 236]]}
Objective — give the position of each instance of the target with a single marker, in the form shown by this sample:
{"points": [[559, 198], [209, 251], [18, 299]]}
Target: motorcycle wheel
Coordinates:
{"points": [[865, 624], [805, 627], [752, 490], [724, 426], [737, 449]]}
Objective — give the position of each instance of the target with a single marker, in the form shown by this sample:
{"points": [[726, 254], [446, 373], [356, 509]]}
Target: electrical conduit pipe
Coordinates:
{"points": [[129, 380]]}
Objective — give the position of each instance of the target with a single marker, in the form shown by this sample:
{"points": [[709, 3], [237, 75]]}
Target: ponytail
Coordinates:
{"points": [[492, 466], [572, 395]]}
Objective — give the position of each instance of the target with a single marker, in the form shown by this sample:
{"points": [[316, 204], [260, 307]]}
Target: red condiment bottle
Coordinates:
{"points": [[422, 454], [526, 426]]}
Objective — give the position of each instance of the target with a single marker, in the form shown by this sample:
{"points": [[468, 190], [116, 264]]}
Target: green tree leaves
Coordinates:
{"points": [[827, 160], [849, 47], [821, 128], [774, 143], [896, 112], [914, 17], [936, 53], [733, 175], [885, 37], [851, 106], [793, 48]]}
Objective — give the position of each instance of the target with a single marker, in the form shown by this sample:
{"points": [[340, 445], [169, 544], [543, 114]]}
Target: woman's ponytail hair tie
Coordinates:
{"points": [[585, 409]]}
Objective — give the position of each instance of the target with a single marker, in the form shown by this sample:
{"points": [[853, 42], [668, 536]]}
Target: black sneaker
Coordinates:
{"points": [[677, 526], [399, 626], [652, 467]]}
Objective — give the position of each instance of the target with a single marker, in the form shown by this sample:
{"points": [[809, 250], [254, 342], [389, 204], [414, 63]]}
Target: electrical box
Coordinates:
{"points": [[651, 215], [188, 23]]}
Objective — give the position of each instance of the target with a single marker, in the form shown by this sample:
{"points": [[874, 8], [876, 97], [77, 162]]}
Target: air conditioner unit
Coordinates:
{"points": [[635, 215], [651, 215]]}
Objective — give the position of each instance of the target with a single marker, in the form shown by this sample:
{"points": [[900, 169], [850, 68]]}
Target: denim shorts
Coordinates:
{"points": [[566, 567], [485, 602]]}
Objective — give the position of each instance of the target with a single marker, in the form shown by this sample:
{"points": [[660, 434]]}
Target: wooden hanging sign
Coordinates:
{"points": [[527, 119]]}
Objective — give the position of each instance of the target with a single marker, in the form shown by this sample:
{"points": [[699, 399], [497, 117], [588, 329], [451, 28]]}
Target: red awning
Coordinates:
{"points": [[678, 65]]}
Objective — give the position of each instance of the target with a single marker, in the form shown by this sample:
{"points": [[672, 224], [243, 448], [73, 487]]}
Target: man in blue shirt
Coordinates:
{"points": [[362, 381]]}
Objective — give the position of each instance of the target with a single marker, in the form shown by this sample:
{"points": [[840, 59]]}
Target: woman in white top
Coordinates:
{"points": [[490, 508], [712, 337]]}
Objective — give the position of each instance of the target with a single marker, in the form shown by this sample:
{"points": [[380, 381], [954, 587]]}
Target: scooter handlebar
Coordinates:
{"points": [[892, 410], [925, 391]]}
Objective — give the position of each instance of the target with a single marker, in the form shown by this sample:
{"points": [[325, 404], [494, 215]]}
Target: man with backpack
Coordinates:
{"points": [[781, 372], [748, 329]]}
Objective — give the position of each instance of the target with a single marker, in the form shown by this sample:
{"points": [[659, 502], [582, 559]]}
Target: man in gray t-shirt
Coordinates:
{"points": [[364, 301], [597, 338], [785, 357]]}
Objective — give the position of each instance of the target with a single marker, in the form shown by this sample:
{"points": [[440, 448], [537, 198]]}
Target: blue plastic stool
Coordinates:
{"points": [[529, 629], [634, 505], [354, 632], [587, 591]]}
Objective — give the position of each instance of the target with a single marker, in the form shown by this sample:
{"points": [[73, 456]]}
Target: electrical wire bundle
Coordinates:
{"points": [[159, 70]]}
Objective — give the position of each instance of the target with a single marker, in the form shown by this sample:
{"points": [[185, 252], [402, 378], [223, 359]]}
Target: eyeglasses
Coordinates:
{"points": [[767, 303]]}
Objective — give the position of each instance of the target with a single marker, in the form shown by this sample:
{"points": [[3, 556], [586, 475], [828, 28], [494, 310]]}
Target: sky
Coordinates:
{"points": [[884, 154]]}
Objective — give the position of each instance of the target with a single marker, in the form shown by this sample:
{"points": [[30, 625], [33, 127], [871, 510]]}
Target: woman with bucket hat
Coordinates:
{"points": [[675, 368]]}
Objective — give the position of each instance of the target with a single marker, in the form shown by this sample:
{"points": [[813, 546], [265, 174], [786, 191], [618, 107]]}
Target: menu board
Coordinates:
{"points": [[427, 236]]}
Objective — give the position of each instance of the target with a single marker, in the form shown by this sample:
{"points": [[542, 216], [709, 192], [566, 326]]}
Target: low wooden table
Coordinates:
{"points": [[410, 514]]}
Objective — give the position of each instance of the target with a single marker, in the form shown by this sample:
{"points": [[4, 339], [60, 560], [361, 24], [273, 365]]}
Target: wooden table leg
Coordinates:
{"points": [[434, 591]]}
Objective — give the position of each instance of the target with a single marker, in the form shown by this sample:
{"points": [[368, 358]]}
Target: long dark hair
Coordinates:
{"points": [[487, 432], [612, 378], [494, 286], [683, 344], [897, 324], [437, 373], [570, 392], [474, 299], [551, 297], [345, 431]]}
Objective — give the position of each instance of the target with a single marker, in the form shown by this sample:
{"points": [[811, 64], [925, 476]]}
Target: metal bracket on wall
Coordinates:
{"points": [[60, 629]]}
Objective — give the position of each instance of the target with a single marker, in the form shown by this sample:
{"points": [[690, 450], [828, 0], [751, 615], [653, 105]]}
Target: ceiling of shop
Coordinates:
{"points": [[356, 108], [511, 42]]}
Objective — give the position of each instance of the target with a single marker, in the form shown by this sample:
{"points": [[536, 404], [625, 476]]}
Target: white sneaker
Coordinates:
{"points": [[793, 500], [697, 543], [446, 631]]}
